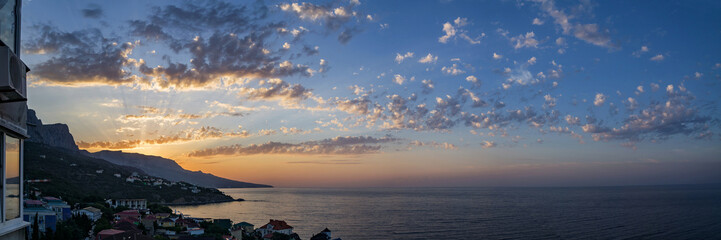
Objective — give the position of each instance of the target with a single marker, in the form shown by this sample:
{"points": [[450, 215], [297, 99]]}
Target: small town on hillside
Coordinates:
{"points": [[136, 219]]}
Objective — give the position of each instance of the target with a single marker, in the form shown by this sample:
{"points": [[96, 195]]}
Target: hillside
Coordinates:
{"points": [[75, 176], [58, 135], [169, 169]]}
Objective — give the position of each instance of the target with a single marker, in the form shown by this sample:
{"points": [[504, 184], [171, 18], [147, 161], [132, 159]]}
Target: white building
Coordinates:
{"points": [[92, 213], [138, 203], [275, 226], [13, 121]]}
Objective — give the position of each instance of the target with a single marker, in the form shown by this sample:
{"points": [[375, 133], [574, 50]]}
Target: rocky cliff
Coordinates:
{"points": [[56, 135]]}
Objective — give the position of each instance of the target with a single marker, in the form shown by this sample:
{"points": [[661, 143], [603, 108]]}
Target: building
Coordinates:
{"points": [[60, 207], [195, 231], [139, 203], [133, 214], [92, 213], [13, 121], [275, 226], [47, 219], [239, 229], [323, 235]]}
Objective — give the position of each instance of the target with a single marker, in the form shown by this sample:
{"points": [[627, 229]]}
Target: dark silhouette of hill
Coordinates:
{"points": [[58, 135]]}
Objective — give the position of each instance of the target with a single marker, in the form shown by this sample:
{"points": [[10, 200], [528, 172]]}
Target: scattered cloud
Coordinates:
{"points": [[488, 144], [455, 29], [524, 41], [658, 58], [400, 58], [537, 21], [452, 70], [600, 99], [350, 145], [428, 59], [399, 79], [193, 134], [590, 33]]}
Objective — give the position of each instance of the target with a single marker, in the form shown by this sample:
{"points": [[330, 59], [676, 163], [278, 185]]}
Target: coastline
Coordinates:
{"points": [[202, 202]]}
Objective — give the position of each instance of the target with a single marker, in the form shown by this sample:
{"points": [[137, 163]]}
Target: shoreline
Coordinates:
{"points": [[202, 203]]}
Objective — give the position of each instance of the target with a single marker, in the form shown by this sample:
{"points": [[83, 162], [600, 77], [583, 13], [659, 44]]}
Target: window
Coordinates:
{"points": [[8, 23], [12, 178]]}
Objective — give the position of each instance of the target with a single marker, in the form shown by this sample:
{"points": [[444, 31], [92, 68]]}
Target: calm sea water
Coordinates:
{"points": [[650, 212]]}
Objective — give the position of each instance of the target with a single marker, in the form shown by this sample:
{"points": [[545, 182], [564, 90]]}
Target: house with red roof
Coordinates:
{"points": [[128, 214], [105, 234], [275, 226]]}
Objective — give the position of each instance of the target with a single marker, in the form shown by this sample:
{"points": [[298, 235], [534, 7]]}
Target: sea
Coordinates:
{"points": [[638, 212]]}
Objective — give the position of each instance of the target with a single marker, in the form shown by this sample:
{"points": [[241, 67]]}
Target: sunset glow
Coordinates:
{"points": [[389, 93]]}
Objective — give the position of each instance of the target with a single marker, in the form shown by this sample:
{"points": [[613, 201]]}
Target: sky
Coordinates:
{"points": [[389, 93]]}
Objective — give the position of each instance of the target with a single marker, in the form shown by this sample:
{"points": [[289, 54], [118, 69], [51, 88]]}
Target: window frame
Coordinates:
{"points": [[16, 223]]}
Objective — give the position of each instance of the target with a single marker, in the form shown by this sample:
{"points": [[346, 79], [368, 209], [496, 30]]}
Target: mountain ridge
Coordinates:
{"points": [[58, 135]]}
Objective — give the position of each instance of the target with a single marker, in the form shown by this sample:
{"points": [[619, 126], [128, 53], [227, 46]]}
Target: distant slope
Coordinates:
{"points": [[58, 135], [169, 169], [75, 176]]}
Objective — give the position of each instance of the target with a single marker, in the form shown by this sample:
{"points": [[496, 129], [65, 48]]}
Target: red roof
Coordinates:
{"points": [[277, 225], [129, 219], [108, 232], [33, 202], [51, 199]]}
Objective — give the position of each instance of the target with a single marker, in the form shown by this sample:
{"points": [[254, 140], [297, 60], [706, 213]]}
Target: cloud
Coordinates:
{"points": [[452, 70], [524, 41], [590, 33], [330, 16], [349, 145], [473, 80], [428, 86], [537, 21], [631, 104], [232, 43], [276, 90], [573, 120], [428, 59], [644, 49], [532, 60], [455, 29], [399, 79], [79, 58], [400, 58], [657, 122], [92, 11], [488, 144], [193, 134], [600, 99], [434, 144], [497, 56], [658, 58]]}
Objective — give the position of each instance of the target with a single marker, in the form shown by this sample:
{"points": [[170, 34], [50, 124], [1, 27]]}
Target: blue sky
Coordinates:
{"points": [[426, 93]]}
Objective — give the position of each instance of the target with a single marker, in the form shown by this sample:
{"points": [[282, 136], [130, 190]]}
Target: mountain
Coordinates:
{"points": [[70, 174], [58, 135], [169, 169]]}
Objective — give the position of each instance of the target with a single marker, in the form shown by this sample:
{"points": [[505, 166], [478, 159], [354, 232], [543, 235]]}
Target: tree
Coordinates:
{"points": [[141, 226], [101, 225], [280, 236], [36, 228], [157, 208], [48, 234]]}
